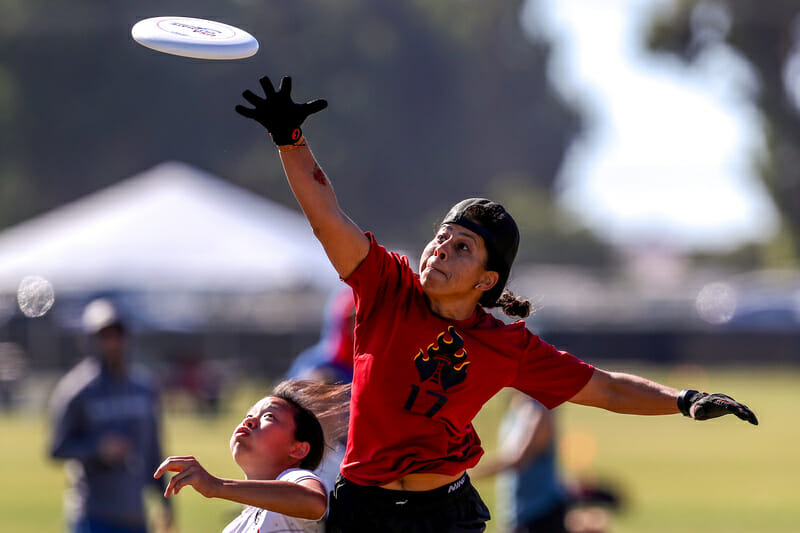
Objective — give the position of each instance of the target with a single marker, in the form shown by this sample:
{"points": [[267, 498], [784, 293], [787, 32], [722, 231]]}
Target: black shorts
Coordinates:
{"points": [[454, 508]]}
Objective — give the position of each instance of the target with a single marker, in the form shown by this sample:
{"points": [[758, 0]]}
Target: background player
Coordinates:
{"points": [[529, 485], [105, 420]]}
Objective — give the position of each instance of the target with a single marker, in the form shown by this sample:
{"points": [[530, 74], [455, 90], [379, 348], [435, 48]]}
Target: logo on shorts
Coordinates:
{"points": [[445, 361], [456, 485]]}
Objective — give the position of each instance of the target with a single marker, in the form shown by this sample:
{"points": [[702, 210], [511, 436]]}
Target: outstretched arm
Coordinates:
{"points": [[629, 394], [307, 499], [345, 244]]}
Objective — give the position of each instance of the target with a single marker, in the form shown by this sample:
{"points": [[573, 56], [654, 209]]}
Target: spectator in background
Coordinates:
{"points": [[105, 425], [530, 492]]}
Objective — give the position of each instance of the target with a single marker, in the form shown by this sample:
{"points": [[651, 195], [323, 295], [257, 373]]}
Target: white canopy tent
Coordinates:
{"points": [[172, 227], [173, 233]]}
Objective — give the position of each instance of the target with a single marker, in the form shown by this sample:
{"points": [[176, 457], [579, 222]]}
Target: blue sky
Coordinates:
{"points": [[669, 155]]}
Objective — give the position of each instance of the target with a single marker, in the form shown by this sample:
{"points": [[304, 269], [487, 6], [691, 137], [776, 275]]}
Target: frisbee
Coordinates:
{"points": [[192, 37]]}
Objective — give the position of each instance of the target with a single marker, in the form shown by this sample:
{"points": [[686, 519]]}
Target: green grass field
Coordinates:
{"points": [[720, 476]]}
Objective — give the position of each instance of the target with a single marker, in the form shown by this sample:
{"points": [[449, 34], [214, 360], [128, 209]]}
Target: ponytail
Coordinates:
{"points": [[512, 305]]}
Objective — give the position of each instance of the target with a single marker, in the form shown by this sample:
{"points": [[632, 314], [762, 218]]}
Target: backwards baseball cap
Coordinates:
{"points": [[494, 224]]}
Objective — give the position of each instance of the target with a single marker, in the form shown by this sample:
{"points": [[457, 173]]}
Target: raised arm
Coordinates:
{"points": [[345, 244], [629, 394]]}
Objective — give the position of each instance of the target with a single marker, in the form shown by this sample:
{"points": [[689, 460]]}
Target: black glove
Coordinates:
{"points": [[277, 112], [712, 405]]}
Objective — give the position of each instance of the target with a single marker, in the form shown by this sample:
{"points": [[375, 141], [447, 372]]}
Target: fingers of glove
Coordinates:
{"points": [[253, 98], [716, 405], [247, 112], [266, 84], [285, 87], [744, 413], [314, 106]]}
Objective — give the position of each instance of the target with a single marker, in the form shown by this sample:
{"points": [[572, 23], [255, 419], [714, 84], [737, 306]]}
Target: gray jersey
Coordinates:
{"points": [[87, 404]]}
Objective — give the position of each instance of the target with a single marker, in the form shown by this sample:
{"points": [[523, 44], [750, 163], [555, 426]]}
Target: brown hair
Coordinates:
{"points": [[512, 305], [321, 412]]}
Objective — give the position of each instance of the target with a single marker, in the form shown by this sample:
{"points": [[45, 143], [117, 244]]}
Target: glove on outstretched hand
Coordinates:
{"points": [[704, 406], [277, 112]]}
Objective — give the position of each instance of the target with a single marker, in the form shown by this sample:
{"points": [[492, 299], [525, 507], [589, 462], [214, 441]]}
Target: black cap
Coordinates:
{"points": [[494, 224]]}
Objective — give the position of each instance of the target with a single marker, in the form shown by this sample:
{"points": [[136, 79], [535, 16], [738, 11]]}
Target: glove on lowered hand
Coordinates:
{"points": [[704, 406]]}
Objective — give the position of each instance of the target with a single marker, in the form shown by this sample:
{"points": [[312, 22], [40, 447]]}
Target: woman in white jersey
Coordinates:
{"points": [[277, 445]]}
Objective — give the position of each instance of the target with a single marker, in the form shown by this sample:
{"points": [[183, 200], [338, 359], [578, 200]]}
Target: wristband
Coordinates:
{"points": [[283, 138], [289, 147], [685, 399]]}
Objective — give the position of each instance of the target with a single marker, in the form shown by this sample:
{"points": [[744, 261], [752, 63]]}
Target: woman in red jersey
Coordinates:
{"points": [[427, 356]]}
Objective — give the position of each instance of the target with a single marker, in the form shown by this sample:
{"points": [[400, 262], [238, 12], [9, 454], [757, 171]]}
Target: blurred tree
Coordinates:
{"points": [[766, 35], [429, 101], [548, 232]]}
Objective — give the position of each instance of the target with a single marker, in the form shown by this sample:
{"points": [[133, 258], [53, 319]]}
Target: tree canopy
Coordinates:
{"points": [[765, 35]]}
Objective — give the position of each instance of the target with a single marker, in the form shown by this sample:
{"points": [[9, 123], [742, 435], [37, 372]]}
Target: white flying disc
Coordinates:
{"points": [[191, 37]]}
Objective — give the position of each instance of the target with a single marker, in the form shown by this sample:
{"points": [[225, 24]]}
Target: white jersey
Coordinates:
{"points": [[328, 469], [256, 520]]}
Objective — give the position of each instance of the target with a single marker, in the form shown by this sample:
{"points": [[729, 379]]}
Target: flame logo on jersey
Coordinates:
{"points": [[445, 361]]}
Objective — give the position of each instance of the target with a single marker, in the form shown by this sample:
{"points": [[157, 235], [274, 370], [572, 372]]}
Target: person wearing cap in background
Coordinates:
{"points": [[106, 426], [427, 355]]}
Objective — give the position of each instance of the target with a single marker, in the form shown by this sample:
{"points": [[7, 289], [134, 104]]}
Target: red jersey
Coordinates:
{"points": [[419, 379]]}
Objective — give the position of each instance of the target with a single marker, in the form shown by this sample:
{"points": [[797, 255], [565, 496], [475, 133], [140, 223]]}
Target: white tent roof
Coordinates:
{"points": [[172, 227]]}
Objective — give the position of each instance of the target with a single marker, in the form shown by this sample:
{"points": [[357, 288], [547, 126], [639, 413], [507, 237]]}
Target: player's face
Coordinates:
{"points": [[453, 263], [111, 344], [266, 433]]}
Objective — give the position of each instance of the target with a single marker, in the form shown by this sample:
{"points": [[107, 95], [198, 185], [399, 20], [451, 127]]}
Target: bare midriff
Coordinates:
{"points": [[421, 482]]}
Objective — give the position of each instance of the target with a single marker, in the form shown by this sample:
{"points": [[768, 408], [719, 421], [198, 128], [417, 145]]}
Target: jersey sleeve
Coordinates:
{"points": [[296, 475], [381, 274], [549, 375], [73, 436]]}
